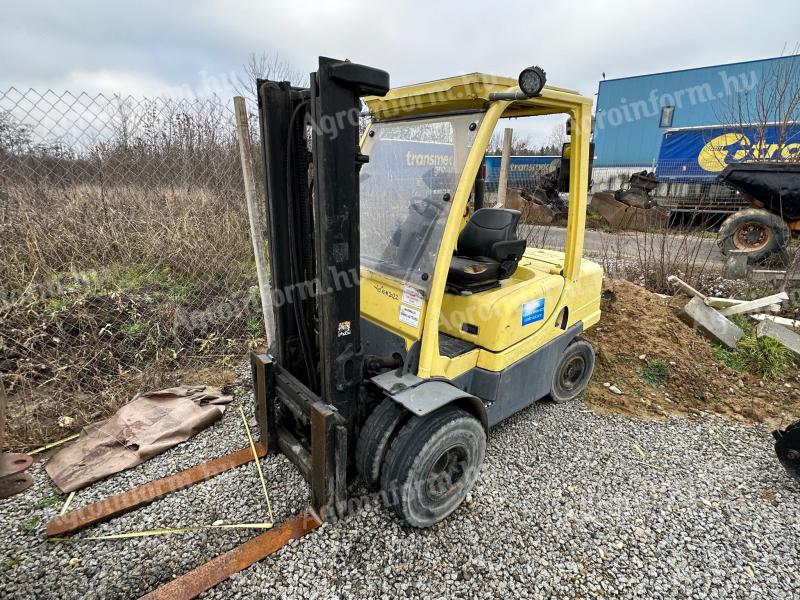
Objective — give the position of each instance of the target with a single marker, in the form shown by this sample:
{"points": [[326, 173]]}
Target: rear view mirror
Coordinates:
{"points": [[563, 168]]}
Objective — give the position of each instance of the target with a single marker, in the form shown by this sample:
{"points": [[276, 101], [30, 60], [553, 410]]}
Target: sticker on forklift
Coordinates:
{"points": [[532, 311], [344, 328], [412, 296], [409, 316]]}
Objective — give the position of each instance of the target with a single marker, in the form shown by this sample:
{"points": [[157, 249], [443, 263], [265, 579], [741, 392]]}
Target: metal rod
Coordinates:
{"points": [[206, 576], [145, 494]]}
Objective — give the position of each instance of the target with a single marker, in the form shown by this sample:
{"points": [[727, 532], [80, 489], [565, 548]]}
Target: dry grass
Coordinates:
{"points": [[114, 290]]}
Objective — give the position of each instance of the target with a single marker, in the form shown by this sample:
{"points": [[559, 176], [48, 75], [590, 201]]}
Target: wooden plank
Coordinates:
{"points": [[260, 245], [217, 570], [505, 159], [754, 305], [134, 498]]}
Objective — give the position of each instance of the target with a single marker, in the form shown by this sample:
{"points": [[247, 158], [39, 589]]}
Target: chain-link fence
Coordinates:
{"points": [[126, 259], [682, 187], [690, 195]]}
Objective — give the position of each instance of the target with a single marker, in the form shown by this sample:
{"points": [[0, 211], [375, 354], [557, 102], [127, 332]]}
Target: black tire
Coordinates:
{"points": [[573, 371], [756, 231], [374, 439], [432, 465]]}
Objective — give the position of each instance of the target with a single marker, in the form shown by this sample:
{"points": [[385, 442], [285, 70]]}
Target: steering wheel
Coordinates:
{"points": [[420, 205]]}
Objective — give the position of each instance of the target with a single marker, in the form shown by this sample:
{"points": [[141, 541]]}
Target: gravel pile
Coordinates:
{"points": [[567, 506]]}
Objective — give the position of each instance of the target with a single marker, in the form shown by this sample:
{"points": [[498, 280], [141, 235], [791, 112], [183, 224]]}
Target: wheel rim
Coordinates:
{"points": [[572, 372], [751, 236], [446, 474]]}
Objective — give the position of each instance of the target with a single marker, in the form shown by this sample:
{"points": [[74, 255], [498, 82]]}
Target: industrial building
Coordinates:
{"points": [[634, 113]]}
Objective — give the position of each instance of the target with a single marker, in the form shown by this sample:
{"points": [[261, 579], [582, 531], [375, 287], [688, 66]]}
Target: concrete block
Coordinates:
{"points": [[787, 337], [736, 264], [711, 323]]}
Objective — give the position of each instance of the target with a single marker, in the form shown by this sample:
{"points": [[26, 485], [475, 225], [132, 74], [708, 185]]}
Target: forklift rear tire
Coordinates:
{"points": [[573, 372], [374, 439], [432, 465], [755, 231]]}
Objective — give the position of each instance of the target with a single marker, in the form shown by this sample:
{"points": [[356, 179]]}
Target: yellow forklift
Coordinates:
{"points": [[410, 319]]}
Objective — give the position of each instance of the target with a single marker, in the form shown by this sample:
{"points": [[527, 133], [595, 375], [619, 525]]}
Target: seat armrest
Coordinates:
{"points": [[508, 250]]}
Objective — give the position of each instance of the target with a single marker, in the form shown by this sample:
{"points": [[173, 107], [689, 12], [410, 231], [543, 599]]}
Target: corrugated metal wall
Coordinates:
{"points": [[627, 130]]}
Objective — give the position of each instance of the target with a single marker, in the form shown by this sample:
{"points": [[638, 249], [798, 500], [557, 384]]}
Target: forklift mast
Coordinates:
{"points": [[307, 390]]}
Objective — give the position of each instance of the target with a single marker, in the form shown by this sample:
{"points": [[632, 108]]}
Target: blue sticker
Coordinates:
{"points": [[532, 311]]}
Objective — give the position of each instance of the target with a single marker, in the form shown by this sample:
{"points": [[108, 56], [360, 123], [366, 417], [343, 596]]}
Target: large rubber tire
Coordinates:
{"points": [[374, 439], [573, 371], [756, 231], [432, 465]]}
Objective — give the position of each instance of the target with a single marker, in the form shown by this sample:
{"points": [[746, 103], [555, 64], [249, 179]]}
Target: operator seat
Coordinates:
{"points": [[487, 251]]}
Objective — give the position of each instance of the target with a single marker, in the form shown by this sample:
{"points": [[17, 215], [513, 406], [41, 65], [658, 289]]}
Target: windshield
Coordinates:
{"points": [[407, 189]]}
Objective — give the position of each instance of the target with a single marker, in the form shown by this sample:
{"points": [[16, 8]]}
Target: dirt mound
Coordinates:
{"points": [[664, 367]]}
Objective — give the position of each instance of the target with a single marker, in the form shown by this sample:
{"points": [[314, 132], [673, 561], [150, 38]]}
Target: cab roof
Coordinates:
{"points": [[466, 93]]}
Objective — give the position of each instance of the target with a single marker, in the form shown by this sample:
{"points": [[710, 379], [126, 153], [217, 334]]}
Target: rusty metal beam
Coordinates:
{"points": [[114, 506], [217, 570], [322, 459]]}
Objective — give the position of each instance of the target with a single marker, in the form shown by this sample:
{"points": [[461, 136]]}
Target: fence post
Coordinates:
{"points": [[502, 183], [260, 245]]}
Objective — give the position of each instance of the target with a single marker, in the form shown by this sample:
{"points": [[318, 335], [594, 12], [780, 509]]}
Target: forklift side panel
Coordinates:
{"points": [[522, 383]]}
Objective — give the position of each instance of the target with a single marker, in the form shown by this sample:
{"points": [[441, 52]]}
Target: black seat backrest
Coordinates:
{"points": [[485, 228]]}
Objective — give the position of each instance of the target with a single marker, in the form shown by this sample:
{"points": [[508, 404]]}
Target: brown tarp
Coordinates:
{"points": [[147, 425]]}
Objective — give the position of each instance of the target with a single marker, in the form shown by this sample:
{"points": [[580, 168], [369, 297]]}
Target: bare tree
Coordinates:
{"points": [[761, 105], [264, 66], [558, 137]]}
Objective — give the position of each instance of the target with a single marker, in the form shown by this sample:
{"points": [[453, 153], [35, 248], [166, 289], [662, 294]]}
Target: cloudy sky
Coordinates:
{"points": [[148, 47]]}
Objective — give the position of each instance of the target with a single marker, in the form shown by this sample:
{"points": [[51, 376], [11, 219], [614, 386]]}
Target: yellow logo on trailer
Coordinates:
{"points": [[734, 147]]}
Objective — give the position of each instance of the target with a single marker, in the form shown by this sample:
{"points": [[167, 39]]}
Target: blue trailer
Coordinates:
{"points": [[702, 153], [522, 170]]}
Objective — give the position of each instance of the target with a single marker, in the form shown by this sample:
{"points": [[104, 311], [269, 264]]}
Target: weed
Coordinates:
{"points": [[762, 356], [56, 305], [31, 524], [655, 374], [255, 324], [50, 501], [133, 329]]}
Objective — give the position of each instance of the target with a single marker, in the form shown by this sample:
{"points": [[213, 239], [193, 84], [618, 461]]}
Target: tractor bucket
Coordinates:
{"points": [[622, 216]]}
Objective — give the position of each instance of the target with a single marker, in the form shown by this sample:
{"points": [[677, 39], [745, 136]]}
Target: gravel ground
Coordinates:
{"points": [[566, 506]]}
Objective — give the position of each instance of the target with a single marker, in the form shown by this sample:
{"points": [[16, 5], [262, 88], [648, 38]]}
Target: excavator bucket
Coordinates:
{"points": [[623, 216]]}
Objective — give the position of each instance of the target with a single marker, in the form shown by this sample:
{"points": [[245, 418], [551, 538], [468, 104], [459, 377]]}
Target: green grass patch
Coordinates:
{"points": [[655, 374], [31, 524], [255, 325], [763, 356], [56, 305], [51, 500], [133, 329], [119, 278]]}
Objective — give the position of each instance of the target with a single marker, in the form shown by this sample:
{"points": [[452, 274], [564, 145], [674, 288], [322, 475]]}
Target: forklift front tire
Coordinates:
{"points": [[432, 465], [374, 439], [573, 372]]}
